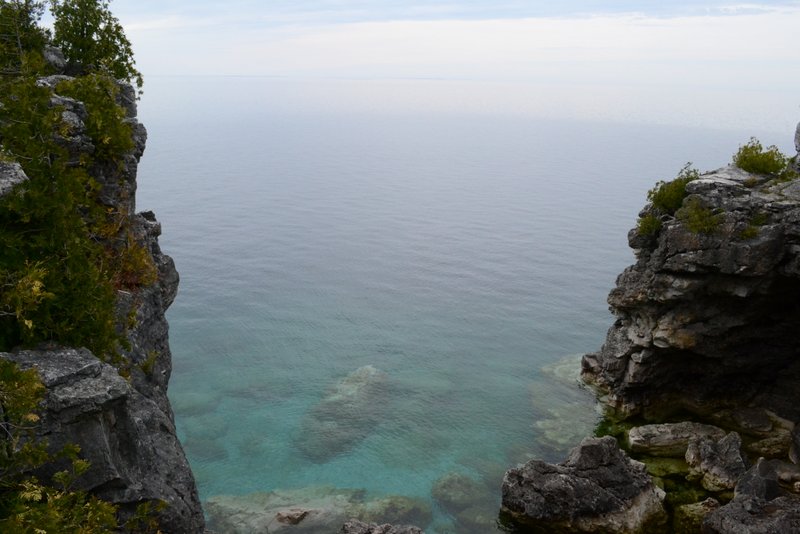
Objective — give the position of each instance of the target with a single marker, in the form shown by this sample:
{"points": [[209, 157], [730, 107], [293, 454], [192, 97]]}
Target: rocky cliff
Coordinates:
{"points": [[118, 413], [706, 321], [704, 349]]}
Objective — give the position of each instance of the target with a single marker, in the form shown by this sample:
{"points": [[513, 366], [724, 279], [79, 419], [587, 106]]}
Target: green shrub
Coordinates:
{"points": [[697, 218], [667, 197], [752, 157], [650, 224]]}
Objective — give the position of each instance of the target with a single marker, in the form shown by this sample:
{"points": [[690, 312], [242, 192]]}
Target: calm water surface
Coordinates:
{"points": [[461, 250]]}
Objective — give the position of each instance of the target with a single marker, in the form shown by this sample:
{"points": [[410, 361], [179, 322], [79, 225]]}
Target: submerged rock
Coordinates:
{"points": [[597, 489], [310, 510], [357, 527], [346, 415]]}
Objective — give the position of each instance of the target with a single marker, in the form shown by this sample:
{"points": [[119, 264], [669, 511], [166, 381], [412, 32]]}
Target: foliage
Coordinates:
{"points": [[47, 224], [650, 224], [93, 39], [26, 505], [105, 123], [21, 38], [697, 218], [758, 220], [753, 157], [667, 197]]}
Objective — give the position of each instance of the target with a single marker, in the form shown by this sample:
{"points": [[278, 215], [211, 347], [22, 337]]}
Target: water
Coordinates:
{"points": [[463, 251]]}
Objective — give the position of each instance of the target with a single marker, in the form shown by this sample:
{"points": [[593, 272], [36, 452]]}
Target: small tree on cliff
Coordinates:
{"points": [[93, 39], [20, 34]]}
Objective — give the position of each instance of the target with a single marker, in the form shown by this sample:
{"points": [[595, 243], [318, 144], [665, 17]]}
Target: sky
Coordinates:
{"points": [[625, 41]]}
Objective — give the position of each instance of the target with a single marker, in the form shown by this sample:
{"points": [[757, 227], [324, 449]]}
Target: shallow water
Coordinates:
{"points": [[461, 254]]}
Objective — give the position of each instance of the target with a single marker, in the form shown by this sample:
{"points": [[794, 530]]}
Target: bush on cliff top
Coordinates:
{"points": [[753, 157], [667, 197]]}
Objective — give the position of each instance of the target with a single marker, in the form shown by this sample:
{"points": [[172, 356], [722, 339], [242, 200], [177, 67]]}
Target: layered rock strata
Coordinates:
{"points": [[124, 427], [706, 322]]}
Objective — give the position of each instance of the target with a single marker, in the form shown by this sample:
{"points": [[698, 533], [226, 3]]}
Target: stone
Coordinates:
{"points": [[128, 439], [357, 527], [345, 416], [54, 57], [762, 504], [11, 175], [717, 464], [669, 439], [689, 517], [597, 489]]}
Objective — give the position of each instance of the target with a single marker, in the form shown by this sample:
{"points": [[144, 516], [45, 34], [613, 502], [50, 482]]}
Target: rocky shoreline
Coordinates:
{"points": [[698, 378]]}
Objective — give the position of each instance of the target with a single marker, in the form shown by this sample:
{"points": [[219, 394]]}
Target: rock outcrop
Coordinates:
{"points": [[357, 527], [762, 504], [124, 426], [597, 489], [706, 322]]}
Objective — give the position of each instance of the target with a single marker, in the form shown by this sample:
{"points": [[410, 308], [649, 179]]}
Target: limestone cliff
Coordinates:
{"points": [[124, 426], [706, 322]]}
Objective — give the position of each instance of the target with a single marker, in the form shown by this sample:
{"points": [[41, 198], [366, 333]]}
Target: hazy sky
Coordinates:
{"points": [[712, 42]]}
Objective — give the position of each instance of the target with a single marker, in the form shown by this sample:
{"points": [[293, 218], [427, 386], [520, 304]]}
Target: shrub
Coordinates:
{"points": [[697, 218], [650, 224], [752, 157], [667, 197]]}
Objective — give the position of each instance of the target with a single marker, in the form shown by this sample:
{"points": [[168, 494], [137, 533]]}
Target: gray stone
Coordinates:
{"points": [[597, 489], [11, 175], [718, 464], [762, 503], [689, 517], [55, 58], [669, 439], [129, 441]]}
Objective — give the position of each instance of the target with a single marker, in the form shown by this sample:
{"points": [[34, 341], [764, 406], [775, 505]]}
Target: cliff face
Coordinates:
{"points": [[124, 426], [707, 322]]}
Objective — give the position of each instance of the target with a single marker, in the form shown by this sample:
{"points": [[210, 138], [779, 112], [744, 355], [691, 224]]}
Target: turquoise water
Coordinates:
{"points": [[462, 254]]}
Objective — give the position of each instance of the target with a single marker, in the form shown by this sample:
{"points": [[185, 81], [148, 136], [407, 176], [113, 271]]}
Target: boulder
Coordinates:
{"points": [[689, 517], [718, 464], [597, 489], [11, 174], [669, 439], [764, 502]]}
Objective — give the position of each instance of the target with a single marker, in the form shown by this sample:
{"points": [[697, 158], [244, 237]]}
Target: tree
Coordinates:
{"points": [[93, 39], [20, 34]]}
